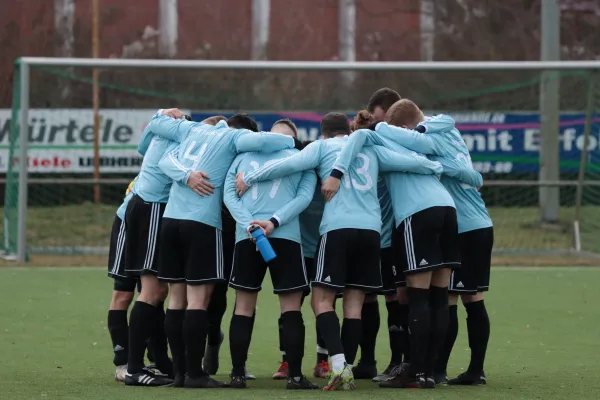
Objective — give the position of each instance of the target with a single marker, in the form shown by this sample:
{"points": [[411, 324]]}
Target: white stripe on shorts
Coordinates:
{"points": [[152, 233], [119, 249], [321, 259], [408, 243]]}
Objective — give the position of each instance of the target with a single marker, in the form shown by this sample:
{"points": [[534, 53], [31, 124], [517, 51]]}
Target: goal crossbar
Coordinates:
{"points": [[23, 66]]}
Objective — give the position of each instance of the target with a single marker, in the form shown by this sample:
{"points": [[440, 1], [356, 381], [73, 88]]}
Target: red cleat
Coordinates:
{"points": [[322, 370], [282, 372]]}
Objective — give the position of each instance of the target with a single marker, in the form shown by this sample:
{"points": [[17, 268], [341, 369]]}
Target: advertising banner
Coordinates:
{"points": [[498, 142], [62, 140]]}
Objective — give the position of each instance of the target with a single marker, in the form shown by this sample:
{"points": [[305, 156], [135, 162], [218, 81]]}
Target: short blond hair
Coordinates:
{"points": [[404, 112]]}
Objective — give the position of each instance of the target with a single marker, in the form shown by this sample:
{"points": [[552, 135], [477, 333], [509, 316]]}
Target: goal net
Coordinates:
{"points": [[497, 111]]}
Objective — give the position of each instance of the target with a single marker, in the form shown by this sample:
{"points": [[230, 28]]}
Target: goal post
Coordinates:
{"points": [[506, 93]]}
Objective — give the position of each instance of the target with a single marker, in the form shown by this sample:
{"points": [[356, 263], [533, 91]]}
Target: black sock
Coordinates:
{"points": [[441, 365], [321, 343], [195, 327], [478, 325], [281, 344], [293, 341], [329, 326], [394, 331], [438, 305], [216, 311], [159, 342], [174, 330], [240, 335], [420, 327], [370, 328], [119, 335], [141, 323], [404, 332], [351, 333]]}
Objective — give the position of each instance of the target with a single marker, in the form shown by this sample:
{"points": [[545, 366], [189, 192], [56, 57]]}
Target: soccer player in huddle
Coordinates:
{"points": [[274, 207], [439, 138], [425, 218], [122, 291], [143, 218], [191, 243], [396, 304], [348, 251]]}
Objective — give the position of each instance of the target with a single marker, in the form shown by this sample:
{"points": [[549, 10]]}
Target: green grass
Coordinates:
{"points": [[544, 343], [515, 228]]}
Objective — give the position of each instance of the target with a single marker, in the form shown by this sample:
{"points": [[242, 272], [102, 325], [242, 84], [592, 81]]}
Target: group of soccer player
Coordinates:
{"points": [[387, 204]]}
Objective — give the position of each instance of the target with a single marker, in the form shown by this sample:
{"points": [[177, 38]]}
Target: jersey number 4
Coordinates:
{"points": [[195, 159], [363, 171], [274, 188]]}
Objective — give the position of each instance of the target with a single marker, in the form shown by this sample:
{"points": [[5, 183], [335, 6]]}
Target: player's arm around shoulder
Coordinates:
{"points": [[437, 124]]}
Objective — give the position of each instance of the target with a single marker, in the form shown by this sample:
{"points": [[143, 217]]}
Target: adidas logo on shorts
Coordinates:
{"points": [[423, 263], [328, 279], [460, 285]]}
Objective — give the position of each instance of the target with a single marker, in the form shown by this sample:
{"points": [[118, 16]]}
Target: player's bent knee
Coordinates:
{"points": [[178, 298], [245, 303], [153, 291], [353, 302], [441, 277], [198, 296], [290, 301], [322, 300], [121, 300], [419, 280]]}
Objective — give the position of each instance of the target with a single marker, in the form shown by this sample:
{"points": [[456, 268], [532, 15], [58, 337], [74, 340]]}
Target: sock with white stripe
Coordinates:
{"points": [[119, 334], [322, 353], [141, 323], [420, 327], [281, 333], [195, 327]]}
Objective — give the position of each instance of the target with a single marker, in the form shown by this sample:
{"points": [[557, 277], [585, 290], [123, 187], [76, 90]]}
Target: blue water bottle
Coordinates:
{"points": [[262, 243]]}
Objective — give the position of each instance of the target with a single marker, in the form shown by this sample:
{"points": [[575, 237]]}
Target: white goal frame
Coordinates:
{"points": [[25, 64]]}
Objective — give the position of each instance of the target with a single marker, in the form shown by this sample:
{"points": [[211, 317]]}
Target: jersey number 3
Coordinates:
{"points": [[363, 171]]}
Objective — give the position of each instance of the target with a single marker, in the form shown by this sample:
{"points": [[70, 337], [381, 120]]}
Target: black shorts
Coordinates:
{"points": [[116, 259], [349, 258], [287, 270], [428, 240], [143, 221], [476, 255], [191, 252], [391, 276], [228, 237], [116, 251]]}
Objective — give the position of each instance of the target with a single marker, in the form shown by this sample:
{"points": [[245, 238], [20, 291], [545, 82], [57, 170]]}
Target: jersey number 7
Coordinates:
{"points": [[276, 182]]}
